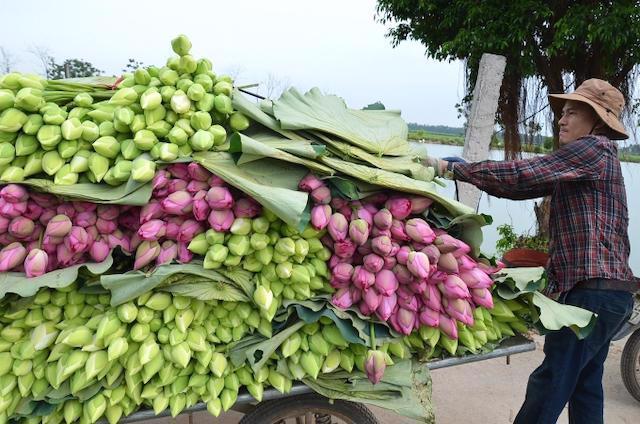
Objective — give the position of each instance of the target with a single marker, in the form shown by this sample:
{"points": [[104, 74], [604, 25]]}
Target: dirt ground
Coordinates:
{"points": [[487, 392]]}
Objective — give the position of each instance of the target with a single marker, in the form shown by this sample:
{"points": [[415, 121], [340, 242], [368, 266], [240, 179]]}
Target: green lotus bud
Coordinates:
{"points": [[79, 113], [181, 354], [160, 128], [68, 148], [7, 99], [6, 363], [199, 244], [277, 380], [201, 120], [167, 151], [83, 100], [177, 136], [72, 410], [107, 146], [205, 81], [7, 153], [204, 67], [145, 140], [184, 83], [77, 337], [207, 102], [139, 332], [121, 171], [94, 408], [11, 120], [65, 176], [214, 237], [312, 363], [222, 104], [127, 312], [143, 170], [33, 124], [218, 364], [284, 270], [25, 145], [117, 348], [49, 136], [152, 367], [347, 360], [300, 275], [107, 128], [72, 129], [187, 64], [139, 123], [80, 161], [196, 92], [201, 141], [183, 319], [96, 363], [52, 162], [181, 45], [331, 362], [168, 77], [239, 245], [291, 345], [29, 99], [124, 97], [141, 76], [124, 115], [148, 350], [216, 254], [238, 122], [154, 115], [98, 165], [223, 87], [197, 341], [259, 241], [285, 246], [129, 150], [90, 131], [180, 103], [158, 301]]}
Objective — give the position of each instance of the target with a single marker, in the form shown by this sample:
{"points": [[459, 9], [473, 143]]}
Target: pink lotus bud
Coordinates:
{"points": [[403, 255], [363, 213], [418, 264], [215, 181], [152, 210], [459, 309], [389, 262], [189, 229], [4, 224], [221, 220], [21, 228], [219, 198], [375, 365], [327, 241], [372, 299], [118, 239], [173, 227], [490, 269], [342, 272], [99, 250], [335, 260], [131, 220], [362, 278], [386, 282], [160, 180], [201, 209], [321, 195], [418, 286], [338, 202], [400, 207], [77, 240], [84, 206], [404, 320], [14, 193], [320, 215], [12, 256], [46, 216], [377, 232], [168, 252], [482, 297], [64, 255], [152, 230], [58, 226], [448, 326], [395, 248], [364, 308], [338, 227], [377, 199], [372, 209], [476, 278], [108, 212], [432, 253], [338, 284], [44, 200], [346, 211], [429, 317], [387, 306], [432, 298], [178, 203], [342, 298], [398, 231], [448, 244], [134, 242], [309, 183], [448, 263], [373, 263], [147, 252], [66, 209], [198, 172], [419, 204], [402, 274], [85, 219], [410, 303], [454, 288], [365, 249], [176, 184], [246, 208], [105, 226], [419, 231], [466, 263], [359, 231], [34, 211], [179, 170], [356, 294], [381, 245], [383, 219], [12, 210], [93, 233], [195, 186], [418, 246]]}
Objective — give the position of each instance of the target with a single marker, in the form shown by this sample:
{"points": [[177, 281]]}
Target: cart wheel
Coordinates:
{"points": [[630, 365], [309, 409]]}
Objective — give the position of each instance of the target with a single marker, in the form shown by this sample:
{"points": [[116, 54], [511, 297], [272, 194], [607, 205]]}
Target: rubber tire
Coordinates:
{"points": [[267, 412], [628, 363]]}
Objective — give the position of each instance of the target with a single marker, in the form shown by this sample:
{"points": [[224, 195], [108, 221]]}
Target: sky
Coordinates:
{"points": [[335, 45]]}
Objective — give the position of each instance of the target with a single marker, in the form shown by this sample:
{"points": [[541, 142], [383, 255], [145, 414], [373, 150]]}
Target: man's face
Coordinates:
{"points": [[578, 119]]}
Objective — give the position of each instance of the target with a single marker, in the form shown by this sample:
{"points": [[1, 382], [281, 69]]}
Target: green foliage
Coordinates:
{"points": [[375, 106], [510, 240], [70, 68], [132, 65]]}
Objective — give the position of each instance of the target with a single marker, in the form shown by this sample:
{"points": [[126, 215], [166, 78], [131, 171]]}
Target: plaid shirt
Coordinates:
{"points": [[588, 225]]}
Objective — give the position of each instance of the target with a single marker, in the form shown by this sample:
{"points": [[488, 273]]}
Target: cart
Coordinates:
{"points": [[630, 361], [303, 406]]}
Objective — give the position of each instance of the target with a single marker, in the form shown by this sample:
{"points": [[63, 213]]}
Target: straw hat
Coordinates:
{"points": [[605, 99]]}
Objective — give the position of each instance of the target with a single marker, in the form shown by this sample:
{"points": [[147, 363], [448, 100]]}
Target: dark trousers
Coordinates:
{"points": [[572, 369]]}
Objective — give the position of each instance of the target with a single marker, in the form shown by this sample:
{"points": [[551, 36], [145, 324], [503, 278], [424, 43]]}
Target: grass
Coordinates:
{"points": [[454, 140]]}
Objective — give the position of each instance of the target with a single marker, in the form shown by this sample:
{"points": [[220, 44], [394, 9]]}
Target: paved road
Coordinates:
{"points": [[488, 392]]}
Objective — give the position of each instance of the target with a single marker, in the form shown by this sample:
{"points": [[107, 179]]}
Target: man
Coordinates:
{"points": [[588, 247]]}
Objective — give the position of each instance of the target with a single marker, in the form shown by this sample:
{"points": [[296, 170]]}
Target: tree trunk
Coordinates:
{"points": [[508, 110]]}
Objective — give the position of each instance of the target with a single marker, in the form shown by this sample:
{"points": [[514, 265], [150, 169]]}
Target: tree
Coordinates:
{"points": [[375, 106], [132, 65], [549, 40], [7, 61], [71, 68], [274, 86]]}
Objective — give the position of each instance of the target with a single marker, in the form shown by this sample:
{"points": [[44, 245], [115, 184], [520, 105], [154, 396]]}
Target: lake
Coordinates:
{"points": [[520, 214]]}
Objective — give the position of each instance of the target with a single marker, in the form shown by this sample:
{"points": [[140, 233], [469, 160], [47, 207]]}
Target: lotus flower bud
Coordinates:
{"points": [[117, 238], [151, 230], [342, 272], [342, 298], [432, 253], [246, 208], [58, 226], [373, 263], [168, 252], [381, 245], [419, 204], [359, 231], [400, 207], [482, 297], [173, 228], [142, 170], [77, 240], [35, 263], [418, 264], [466, 263], [12, 210], [309, 183], [85, 219], [476, 279], [99, 250], [386, 282], [196, 186], [429, 317], [219, 198], [448, 326], [320, 216], [198, 172], [160, 180], [184, 255], [398, 231], [179, 170], [454, 288], [4, 225], [21, 227], [201, 209], [106, 226], [344, 249], [419, 231], [150, 211], [188, 230], [263, 297], [403, 254], [147, 252], [375, 365], [338, 227], [405, 321], [321, 195], [362, 278], [178, 203], [12, 256], [14, 193], [460, 310], [108, 212], [372, 299]]}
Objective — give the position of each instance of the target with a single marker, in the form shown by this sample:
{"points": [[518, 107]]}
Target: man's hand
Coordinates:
{"points": [[439, 165]]}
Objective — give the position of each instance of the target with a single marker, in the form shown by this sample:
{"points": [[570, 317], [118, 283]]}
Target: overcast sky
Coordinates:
{"points": [[336, 45]]}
